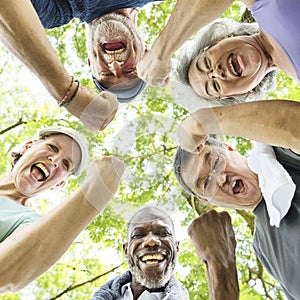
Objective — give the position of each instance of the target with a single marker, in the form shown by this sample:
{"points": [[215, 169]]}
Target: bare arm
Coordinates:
{"points": [[23, 34], [34, 248], [274, 122], [187, 17], [213, 238]]}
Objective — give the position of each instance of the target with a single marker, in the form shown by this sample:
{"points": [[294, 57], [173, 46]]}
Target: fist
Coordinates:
{"points": [[154, 71], [191, 136], [213, 237], [102, 180], [95, 111]]}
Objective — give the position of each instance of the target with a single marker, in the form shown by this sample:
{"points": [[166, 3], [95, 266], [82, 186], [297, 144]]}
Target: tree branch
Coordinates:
{"points": [[72, 287]]}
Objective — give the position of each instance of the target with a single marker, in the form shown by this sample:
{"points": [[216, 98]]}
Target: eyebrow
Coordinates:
{"points": [[68, 158]]}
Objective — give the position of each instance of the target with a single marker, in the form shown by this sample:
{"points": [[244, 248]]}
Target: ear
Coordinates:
{"points": [[58, 185], [26, 146], [125, 248]]}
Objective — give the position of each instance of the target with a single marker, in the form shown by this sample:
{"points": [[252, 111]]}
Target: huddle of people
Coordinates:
{"points": [[229, 64]]}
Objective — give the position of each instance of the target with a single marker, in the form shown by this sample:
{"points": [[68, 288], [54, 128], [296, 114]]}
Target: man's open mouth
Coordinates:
{"points": [[152, 259], [235, 65], [113, 47], [238, 186], [40, 172]]}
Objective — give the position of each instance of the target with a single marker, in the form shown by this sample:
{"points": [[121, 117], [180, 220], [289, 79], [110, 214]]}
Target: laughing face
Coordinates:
{"points": [[45, 164], [151, 250], [233, 66], [223, 180], [115, 45]]}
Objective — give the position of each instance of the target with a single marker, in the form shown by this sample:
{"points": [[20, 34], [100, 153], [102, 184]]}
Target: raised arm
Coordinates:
{"points": [[213, 238], [34, 248], [274, 122], [187, 17], [23, 34]]}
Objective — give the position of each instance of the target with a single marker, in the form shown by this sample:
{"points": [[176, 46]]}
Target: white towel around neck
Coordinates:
{"points": [[276, 184]]}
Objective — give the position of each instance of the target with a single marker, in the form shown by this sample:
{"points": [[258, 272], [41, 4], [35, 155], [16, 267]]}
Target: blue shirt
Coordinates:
{"points": [[55, 13], [280, 19]]}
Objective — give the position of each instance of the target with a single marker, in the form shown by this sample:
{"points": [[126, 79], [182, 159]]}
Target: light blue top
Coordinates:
{"points": [[281, 20], [12, 215]]}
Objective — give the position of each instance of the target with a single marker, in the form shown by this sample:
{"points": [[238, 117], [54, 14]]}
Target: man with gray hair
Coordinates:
{"points": [[151, 251], [267, 182]]}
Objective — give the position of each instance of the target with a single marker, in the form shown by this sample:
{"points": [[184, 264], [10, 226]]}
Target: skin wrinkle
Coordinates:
{"points": [[114, 27], [155, 223]]}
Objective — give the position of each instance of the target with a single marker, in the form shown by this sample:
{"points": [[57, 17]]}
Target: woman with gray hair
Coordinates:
{"points": [[232, 65], [187, 64]]}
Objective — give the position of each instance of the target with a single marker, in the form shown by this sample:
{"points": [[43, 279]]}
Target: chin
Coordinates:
{"points": [[156, 281]]}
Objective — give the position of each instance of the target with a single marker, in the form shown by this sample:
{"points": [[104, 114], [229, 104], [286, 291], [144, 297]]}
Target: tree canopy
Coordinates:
{"points": [[143, 135]]}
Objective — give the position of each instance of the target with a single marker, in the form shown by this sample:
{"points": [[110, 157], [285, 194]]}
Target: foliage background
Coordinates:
{"points": [[143, 135]]}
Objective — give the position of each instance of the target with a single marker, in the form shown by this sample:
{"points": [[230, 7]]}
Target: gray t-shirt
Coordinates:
{"points": [[279, 248]]}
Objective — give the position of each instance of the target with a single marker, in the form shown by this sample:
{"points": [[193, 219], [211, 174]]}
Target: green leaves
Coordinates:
{"points": [[144, 136]]}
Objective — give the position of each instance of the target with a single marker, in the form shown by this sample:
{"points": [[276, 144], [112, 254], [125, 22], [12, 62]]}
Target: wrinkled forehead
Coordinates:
{"points": [[144, 220]]}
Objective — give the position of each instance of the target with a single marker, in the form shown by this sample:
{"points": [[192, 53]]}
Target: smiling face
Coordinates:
{"points": [[151, 250], [115, 45], [230, 184], [233, 66], [45, 164]]}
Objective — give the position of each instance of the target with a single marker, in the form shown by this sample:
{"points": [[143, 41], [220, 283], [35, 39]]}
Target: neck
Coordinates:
{"points": [[266, 47], [137, 289], [9, 190]]}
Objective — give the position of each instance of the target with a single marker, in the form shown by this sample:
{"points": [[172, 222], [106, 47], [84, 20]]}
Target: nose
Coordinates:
{"points": [[54, 160], [151, 240], [220, 178], [116, 67], [216, 72]]}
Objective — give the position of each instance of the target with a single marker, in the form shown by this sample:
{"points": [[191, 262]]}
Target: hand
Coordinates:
{"points": [[154, 71], [191, 135], [102, 180], [94, 110], [213, 237]]}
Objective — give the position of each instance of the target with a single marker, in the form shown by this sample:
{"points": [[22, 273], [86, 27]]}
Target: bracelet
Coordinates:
{"points": [[66, 102], [68, 92]]}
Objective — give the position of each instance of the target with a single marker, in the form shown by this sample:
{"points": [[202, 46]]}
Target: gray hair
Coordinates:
{"points": [[211, 35]]}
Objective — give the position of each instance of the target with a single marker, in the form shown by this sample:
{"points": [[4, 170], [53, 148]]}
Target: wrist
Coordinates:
{"points": [[222, 280]]}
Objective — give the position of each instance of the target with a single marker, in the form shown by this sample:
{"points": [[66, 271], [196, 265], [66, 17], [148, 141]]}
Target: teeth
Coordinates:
{"points": [[152, 257], [231, 66], [242, 190], [118, 51], [43, 169], [151, 262]]}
